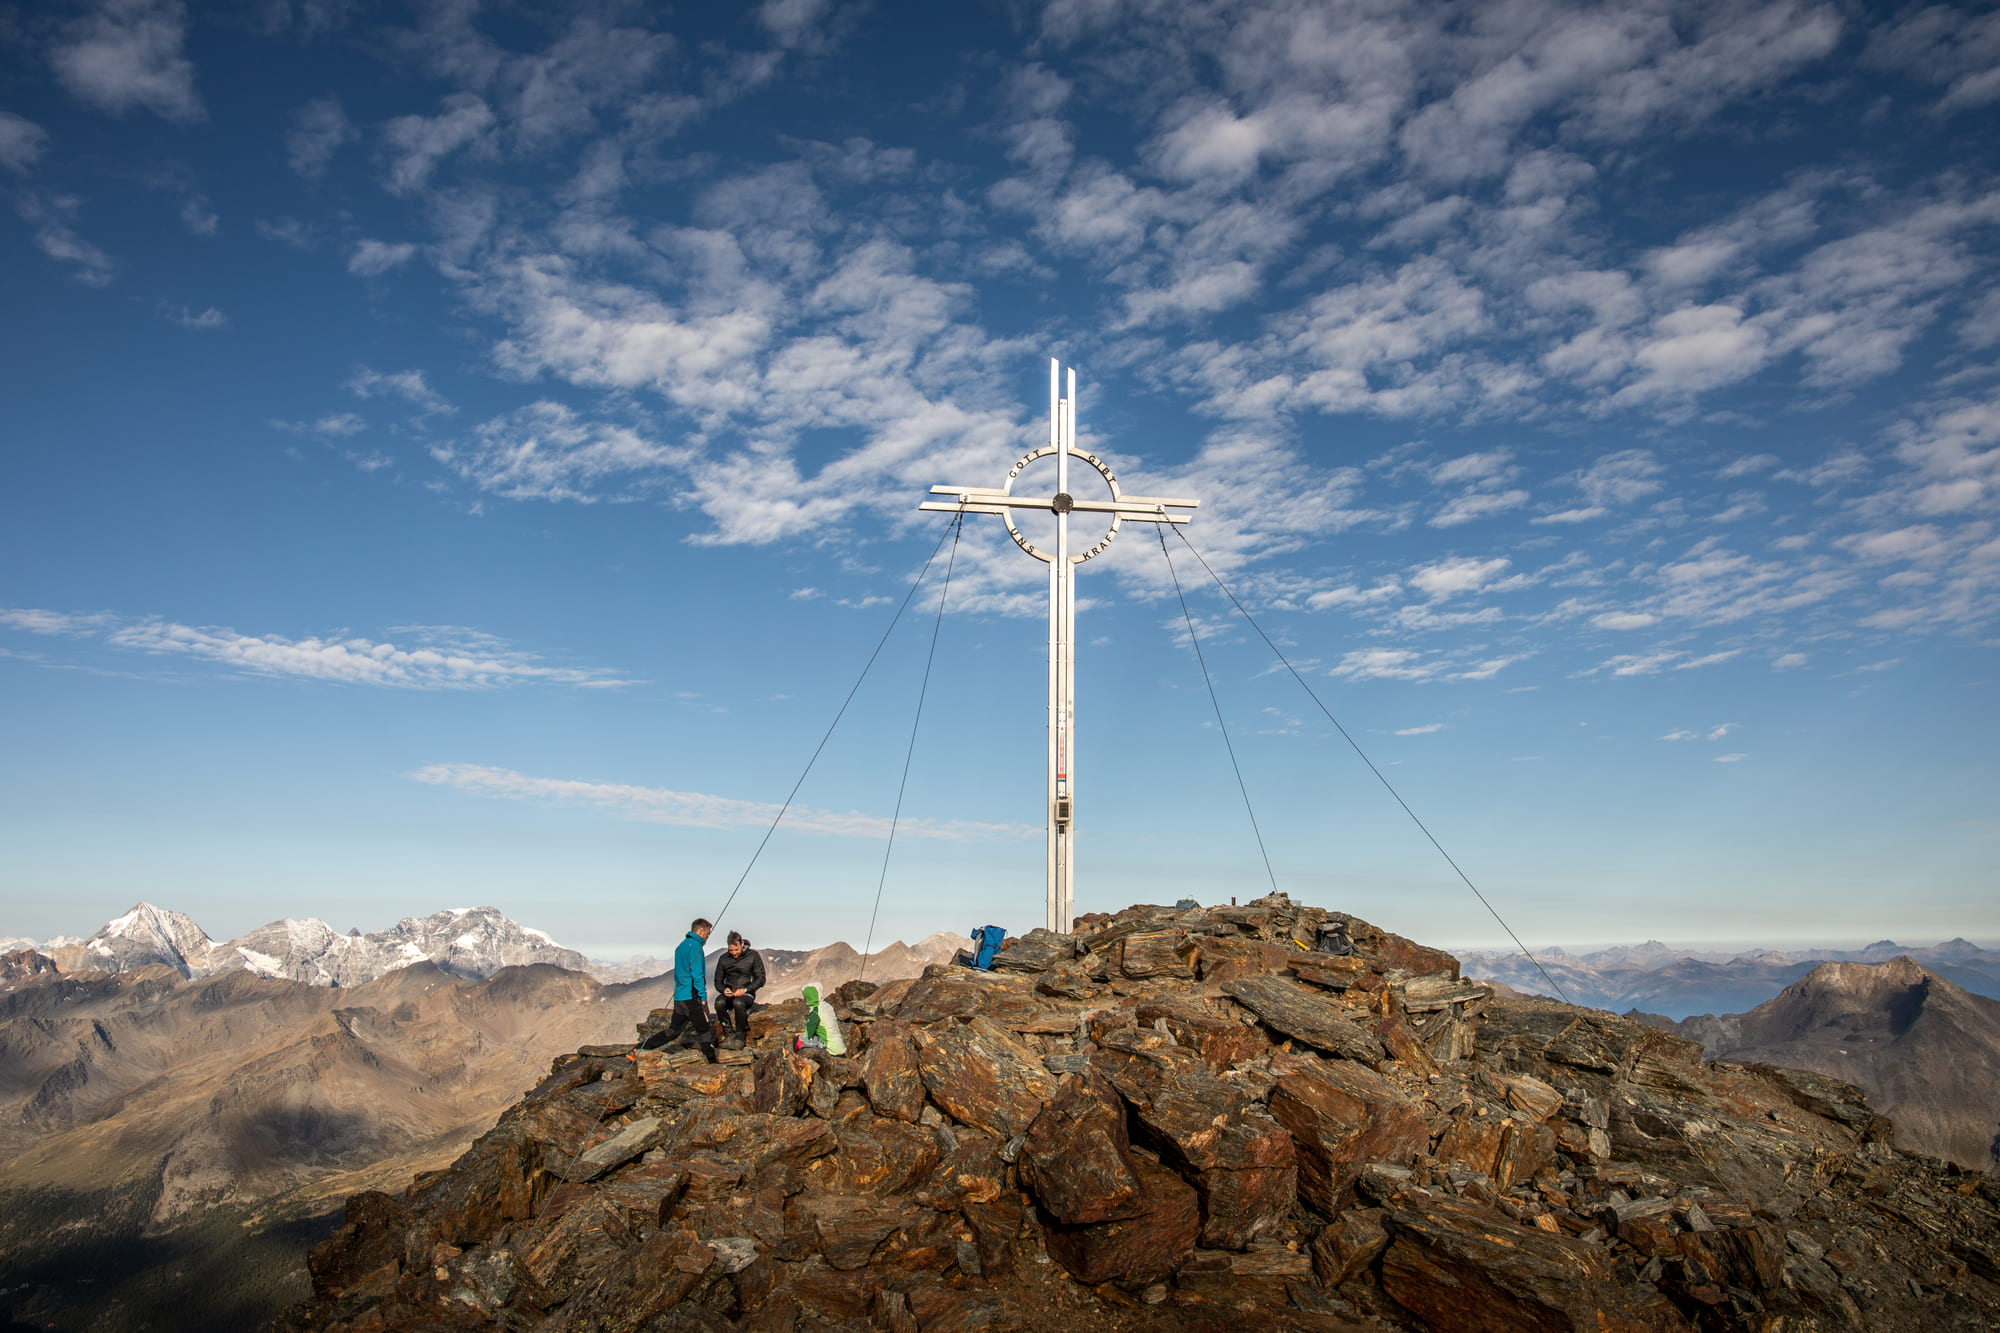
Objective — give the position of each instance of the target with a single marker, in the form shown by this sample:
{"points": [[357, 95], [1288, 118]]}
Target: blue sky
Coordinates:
{"points": [[464, 454]]}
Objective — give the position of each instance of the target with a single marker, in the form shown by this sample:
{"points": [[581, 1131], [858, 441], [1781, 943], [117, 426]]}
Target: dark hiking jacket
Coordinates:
{"points": [[744, 973]]}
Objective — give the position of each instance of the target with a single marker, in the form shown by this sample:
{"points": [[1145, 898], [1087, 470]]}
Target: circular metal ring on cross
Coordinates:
{"points": [[1062, 504]]}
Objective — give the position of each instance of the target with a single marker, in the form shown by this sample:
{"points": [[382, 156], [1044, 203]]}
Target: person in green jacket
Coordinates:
{"points": [[822, 1028]]}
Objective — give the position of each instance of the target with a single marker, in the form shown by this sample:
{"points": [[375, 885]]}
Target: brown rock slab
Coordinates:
{"points": [[890, 1073], [1221, 1040], [1349, 1244], [1078, 1160], [1305, 1015], [1157, 953], [781, 1083], [984, 1076], [1342, 1117], [1143, 1248], [1465, 1269]]}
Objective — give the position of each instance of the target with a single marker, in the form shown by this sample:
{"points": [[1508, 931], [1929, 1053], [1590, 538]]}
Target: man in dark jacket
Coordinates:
{"points": [[690, 994], [739, 975]]}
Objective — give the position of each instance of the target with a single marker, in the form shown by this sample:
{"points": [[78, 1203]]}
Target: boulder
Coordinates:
{"points": [[983, 1075], [1138, 1249], [890, 1073], [1037, 951], [1342, 1117], [1077, 1158], [781, 1082], [1464, 1269], [1306, 1016], [1349, 1244]]}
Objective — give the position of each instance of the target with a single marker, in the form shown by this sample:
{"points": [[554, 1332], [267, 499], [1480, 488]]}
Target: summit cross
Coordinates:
{"points": [[1120, 508]]}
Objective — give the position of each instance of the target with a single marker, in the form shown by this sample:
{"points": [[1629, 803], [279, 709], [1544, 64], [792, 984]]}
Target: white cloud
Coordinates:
{"points": [[1788, 661], [659, 805], [319, 130], [409, 385], [545, 451], [1477, 505], [1747, 465], [21, 143], [205, 321], [419, 143], [1421, 731], [1730, 758], [1457, 574], [49, 217], [127, 53], [51, 622], [1625, 620], [337, 424], [440, 658], [1385, 664], [371, 259]]}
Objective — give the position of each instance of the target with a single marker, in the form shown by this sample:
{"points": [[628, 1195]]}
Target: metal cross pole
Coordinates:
{"points": [[1120, 508]]}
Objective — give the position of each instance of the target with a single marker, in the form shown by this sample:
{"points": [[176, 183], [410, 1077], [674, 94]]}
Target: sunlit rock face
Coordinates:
{"points": [[1219, 1118]]}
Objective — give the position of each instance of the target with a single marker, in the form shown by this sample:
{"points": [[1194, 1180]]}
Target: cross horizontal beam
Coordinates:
{"points": [[999, 495], [991, 505]]}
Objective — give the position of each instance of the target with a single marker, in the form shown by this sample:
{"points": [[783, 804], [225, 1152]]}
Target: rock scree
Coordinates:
{"points": [[1178, 1120]]}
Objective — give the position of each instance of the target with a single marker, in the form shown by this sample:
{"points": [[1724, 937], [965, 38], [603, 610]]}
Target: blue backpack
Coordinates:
{"points": [[986, 941]]}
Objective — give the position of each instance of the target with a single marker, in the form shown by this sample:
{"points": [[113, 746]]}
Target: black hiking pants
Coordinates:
{"points": [[689, 1016], [734, 1011]]}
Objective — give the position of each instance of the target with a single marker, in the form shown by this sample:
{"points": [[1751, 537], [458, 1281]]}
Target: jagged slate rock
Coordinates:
{"points": [[733, 1254], [648, 1193], [847, 1228], [1332, 972], [1504, 1149], [892, 1312], [588, 1236], [619, 1149], [946, 992], [1068, 980], [1221, 1040], [1343, 1117], [1401, 1042], [640, 1285], [1532, 1097], [781, 1081], [1157, 953], [883, 1001], [1306, 1017], [831, 1073], [1077, 1159], [1831, 1099], [984, 1076], [881, 1156], [1439, 991], [365, 1257], [1349, 1244], [483, 1277], [890, 1073], [1393, 950], [1220, 958], [1066, 1063], [1240, 1160], [604, 1051], [1466, 1269], [1751, 1257], [1037, 951], [500, 1179], [1138, 1249]]}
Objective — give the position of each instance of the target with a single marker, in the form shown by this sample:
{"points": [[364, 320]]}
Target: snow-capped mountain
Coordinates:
{"points": [[148, 934], [472, 942]]}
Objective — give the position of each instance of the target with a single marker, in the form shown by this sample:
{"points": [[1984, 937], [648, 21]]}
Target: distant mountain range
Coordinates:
{"points": [[1655, 978], [166, 1096], [465, 942], [1926, 1051]]}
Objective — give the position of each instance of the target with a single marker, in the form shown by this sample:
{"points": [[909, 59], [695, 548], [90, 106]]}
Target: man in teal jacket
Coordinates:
{"points": [[690, 994]]}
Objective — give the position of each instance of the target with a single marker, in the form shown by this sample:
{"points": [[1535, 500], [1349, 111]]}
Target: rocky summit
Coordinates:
{"points": [[1268, 1116]]}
